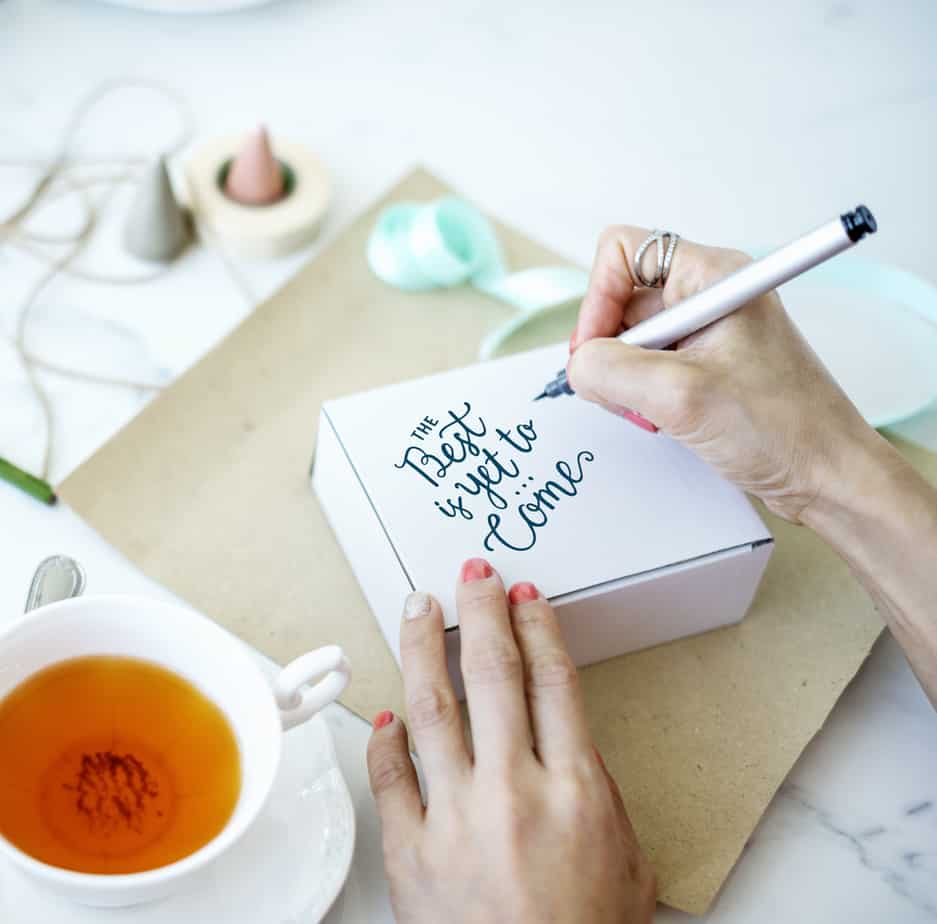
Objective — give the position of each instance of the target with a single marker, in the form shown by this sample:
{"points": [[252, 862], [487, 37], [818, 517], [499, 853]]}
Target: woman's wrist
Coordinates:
{"points": [[880, 515], [859, 486]]}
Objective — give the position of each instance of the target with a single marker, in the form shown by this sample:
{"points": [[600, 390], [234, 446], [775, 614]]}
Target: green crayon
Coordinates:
{"points": [[32, 485]]}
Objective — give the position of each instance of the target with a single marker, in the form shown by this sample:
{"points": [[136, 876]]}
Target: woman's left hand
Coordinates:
{"points": [[526, 826]]}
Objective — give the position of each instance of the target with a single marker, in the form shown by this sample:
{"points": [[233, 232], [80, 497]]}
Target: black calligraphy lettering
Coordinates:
{"points": [[455, 507], [426, 459], [494, 533], [523, 440], [459, 421], [481, 471], [424, 427]]}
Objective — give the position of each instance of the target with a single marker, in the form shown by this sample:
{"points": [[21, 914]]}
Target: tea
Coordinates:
{"points": [[114, 765]]}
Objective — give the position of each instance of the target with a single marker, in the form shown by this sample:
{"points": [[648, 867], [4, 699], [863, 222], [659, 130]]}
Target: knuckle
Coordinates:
{"points": [[513, 813], [429, 705], [518, 828], [481, 601], [583, 365], [610, 234], [491, 661], [688, 390], [386, 770], [550, 669], [717, 264], [709, 270], [533, 617], [403, 859], [577, 803], [736, 259]]}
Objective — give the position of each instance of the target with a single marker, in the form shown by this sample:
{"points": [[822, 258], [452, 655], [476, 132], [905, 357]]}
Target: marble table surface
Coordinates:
{"points": [[732, 122]]}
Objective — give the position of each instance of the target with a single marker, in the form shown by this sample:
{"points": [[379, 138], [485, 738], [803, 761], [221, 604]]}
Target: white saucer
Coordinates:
{"points": [[288, 869]]}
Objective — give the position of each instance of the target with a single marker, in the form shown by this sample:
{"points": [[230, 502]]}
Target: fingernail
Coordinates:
{"points": [[572, 339], [382, 719], [524, 592], [635, 418], [598, 757], [476, 569], [417, 604]]}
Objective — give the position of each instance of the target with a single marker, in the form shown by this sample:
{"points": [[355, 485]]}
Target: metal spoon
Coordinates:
{"points": [[57, 578]]}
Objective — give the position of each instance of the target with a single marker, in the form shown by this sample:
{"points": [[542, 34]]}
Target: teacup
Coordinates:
{"points": [[219, 665]]}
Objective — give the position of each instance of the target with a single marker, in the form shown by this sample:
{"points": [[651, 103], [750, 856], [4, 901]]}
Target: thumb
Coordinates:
{"points": [[658, 384]]}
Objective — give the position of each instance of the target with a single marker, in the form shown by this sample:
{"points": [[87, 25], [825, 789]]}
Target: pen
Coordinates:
{"points": [[38, 488], [729, 294]]}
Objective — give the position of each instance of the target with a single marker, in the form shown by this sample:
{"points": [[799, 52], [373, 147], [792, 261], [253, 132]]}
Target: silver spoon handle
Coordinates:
{"points": [[57, 578]]}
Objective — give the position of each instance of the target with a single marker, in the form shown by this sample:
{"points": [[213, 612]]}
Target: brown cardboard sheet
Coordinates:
{"points": [[207, 490]]}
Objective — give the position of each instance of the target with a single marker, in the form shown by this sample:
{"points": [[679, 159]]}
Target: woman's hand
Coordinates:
{"points": [[750, 397], [526, 825], [747, 393]]}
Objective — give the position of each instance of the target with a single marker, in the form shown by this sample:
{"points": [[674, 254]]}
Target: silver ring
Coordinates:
{"points": [[666, 243]]}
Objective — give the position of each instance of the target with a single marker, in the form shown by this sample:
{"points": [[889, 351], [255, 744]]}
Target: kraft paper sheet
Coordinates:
{"points": [[207, 490]]}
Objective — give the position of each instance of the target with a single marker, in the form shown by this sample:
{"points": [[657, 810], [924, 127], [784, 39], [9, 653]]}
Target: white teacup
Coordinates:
{"points": [[218, 664]]}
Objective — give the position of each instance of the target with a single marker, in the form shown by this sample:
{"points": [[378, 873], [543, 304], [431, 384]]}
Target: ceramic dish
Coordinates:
{"points": [[288, 869]]}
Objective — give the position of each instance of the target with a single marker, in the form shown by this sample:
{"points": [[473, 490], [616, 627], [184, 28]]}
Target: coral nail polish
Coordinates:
{"points": [[476, 569], [524, 592], [382, 719], [635, 418]]}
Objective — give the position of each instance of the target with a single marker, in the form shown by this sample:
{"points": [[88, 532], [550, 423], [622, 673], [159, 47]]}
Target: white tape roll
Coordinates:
{"points": [[258, 230]]}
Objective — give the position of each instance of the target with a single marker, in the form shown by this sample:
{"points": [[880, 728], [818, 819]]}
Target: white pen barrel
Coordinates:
{"points": [[723, 297]]}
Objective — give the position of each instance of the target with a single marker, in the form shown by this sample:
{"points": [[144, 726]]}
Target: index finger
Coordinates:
{"points": [[433, 712], [614, 301], [611, 285]]}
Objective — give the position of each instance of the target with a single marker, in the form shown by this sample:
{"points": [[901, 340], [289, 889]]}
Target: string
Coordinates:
{"points": [[61, 178]]}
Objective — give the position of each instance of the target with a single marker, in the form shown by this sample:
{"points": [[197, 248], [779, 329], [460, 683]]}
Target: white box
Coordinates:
{"points": [[633, 539]]}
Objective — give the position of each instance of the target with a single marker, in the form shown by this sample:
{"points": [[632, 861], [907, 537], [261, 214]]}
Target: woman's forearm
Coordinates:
{"points": [[880, 516]]}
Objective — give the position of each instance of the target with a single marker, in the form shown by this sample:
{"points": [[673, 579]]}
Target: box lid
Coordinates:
{"points": [[558, 492]]}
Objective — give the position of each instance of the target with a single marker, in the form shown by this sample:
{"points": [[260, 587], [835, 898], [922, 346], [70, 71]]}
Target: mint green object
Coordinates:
{"points": [[874, 325], [875, 328], [446, 243]]}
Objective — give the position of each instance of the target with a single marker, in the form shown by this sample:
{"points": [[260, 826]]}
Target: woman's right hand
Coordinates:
{"points": [[747, 393]]}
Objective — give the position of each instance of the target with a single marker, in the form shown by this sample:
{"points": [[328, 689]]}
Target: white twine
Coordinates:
{"points": [[58, 180]]}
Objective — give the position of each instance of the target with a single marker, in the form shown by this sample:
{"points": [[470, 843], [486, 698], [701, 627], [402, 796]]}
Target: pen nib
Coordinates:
{"points": [[542, 394]]}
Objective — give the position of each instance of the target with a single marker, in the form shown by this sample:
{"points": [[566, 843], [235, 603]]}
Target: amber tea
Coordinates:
{"points": [[114, 765]]}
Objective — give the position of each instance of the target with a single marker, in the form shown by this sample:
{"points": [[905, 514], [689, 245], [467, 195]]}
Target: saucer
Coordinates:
{"points": [[287, 869]]}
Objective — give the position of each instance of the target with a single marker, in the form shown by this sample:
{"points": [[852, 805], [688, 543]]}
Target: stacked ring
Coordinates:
{"points": [[666, 242]]}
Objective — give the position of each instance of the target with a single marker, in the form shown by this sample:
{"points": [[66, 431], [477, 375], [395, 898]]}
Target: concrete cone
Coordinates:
{"points": [[157, 228]]}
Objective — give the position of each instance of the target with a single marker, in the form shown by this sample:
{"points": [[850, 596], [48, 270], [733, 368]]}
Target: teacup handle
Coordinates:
{"points": [[327, 667]]}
